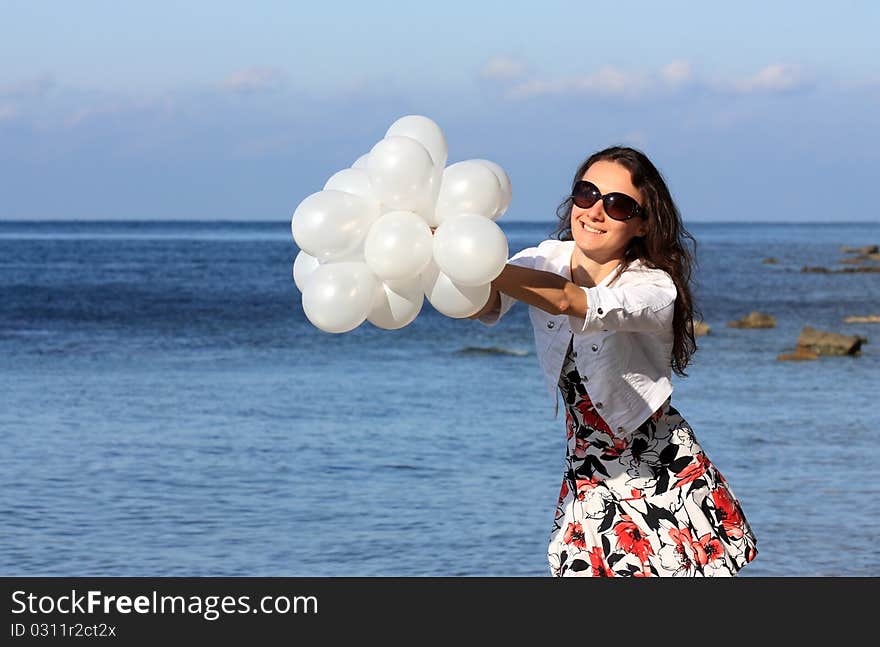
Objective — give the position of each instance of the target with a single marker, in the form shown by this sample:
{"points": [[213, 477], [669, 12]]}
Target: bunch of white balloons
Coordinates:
{"points": [[399, 226]]}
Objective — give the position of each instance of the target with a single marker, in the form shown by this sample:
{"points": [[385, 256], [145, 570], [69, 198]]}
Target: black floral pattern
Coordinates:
{"points": [[645, 504]]}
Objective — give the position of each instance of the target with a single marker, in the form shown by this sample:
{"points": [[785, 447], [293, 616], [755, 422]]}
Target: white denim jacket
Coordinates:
{"points": [[623, 347]]}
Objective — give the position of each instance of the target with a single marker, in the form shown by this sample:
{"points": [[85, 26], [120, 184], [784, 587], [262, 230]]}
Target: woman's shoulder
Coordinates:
{"points": [[547, 253], [641, 270], [553, 249]]}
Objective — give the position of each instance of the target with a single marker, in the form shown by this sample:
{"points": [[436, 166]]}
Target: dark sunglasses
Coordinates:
{"points": [[617, 205]]}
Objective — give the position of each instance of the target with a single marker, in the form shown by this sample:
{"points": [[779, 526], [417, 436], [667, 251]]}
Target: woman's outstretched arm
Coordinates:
{"points": [[545, 290]]}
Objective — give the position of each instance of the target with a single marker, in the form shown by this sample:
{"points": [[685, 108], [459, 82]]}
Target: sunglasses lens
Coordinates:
{"points": [[620, 207], [584, 195]]}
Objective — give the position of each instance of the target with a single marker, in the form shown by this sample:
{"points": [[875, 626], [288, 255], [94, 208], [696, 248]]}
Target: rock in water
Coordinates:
{"points": [[867, 249], [800, 353], [829, 343], [492, 350], [754, 319], [862, 319]]}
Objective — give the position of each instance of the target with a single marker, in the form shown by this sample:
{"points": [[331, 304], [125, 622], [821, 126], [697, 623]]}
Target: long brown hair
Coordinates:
{"points": [[663, 246]]}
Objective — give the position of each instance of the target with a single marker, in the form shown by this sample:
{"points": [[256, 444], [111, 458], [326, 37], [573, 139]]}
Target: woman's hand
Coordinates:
{"points": [[493, 303]]}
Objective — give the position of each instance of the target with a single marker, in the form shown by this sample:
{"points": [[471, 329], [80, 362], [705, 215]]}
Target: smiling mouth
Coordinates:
{"points": [[592, 230]]}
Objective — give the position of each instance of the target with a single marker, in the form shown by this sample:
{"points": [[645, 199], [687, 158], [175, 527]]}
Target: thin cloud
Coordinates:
{"points": [[8, 112], [27, 88], [677, 73], [502, 68], [778, 77], [674, 77], [255, 79], [608, 80]]}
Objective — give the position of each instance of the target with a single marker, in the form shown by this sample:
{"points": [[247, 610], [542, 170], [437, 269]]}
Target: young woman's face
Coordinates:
{"points": [[586, 224]]}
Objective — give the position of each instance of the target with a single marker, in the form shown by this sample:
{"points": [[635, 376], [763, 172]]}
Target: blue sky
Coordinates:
{"points": [[222, 110]]}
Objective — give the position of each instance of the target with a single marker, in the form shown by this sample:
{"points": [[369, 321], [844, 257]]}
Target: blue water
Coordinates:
{"points": [[166, 409]]}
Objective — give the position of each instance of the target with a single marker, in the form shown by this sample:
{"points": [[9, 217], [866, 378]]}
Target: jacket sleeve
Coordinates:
{"points": [[524, 258], [646, 306]]}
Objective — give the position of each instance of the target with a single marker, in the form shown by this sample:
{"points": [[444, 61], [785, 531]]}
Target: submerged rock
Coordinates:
{"points": [[823, 342], [800, 353], [862, 319], [865, 249], [860, 268], [492, 350], [857, 260], [771, 260], [701, 328], [754, 319], [845, 270]]}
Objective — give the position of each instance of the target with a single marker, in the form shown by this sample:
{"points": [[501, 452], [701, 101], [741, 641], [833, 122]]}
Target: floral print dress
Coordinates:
{"points": [[646, 504]]}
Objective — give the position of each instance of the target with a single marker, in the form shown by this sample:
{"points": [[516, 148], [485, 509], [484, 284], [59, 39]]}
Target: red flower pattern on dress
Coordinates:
{"points": [[585, 485], [682, 538], [710, 547], [731, 518], [581, 445], [574, 535], [705, 549], [631, 539], [598, 563], [635, 494], [590, 417], [563, 491], [616, 450], [693, 471]]}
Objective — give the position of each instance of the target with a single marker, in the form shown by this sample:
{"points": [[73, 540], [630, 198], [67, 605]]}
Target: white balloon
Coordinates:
{"points": [[329, 224], [338, 296], [470, 249], [401, 171], [450, 298], [398, 303], [303, 266], [468, 187], [356, 255], [504, 181], [426, 132], [353, 180], [399, 245], [361, 162]]}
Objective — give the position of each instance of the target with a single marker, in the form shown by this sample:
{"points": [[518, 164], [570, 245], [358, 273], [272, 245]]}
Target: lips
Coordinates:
{"points": [[590, 229]]}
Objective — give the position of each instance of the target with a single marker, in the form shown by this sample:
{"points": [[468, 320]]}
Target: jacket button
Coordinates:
{"points": [[598, 405], [550, 324], [595, 347], [598, 310]]}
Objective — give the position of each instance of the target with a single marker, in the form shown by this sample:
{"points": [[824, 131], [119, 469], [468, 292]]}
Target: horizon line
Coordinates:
{"points": [[287, 222]]}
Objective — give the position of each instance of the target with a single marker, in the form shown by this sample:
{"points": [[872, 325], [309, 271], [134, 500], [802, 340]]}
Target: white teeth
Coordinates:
{"points": [[588, 228]]}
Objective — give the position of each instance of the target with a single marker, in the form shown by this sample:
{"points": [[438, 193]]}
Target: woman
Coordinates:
{"points": [[612, 314]]}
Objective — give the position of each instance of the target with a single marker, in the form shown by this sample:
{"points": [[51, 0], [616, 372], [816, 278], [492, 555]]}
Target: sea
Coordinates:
{"points": [[166, 409]]}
